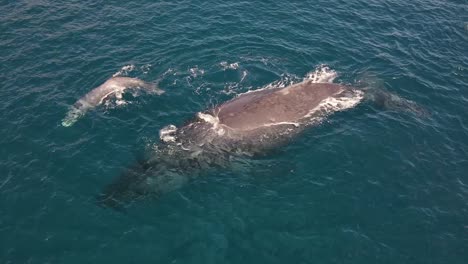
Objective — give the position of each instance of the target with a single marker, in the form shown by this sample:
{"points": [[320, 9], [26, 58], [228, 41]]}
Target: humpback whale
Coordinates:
{"points": [[113, 86], [249, 124]]}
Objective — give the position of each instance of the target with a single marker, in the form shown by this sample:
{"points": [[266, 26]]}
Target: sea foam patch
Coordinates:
{"points": [[125, 70], [322, 74]]}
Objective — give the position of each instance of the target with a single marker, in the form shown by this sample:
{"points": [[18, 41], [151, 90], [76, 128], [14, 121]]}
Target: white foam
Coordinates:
{"points": [[285, 81], [322, 74], [225, 65], [120, 102], [244, 74], [195, 71], [167, 133], [208, 118], [145, 68], [213, 120], [231, 88], [124, 70]]}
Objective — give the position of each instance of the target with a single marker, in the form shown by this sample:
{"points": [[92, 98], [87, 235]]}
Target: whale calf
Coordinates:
{"points": [[114, 86], [249, 124]]}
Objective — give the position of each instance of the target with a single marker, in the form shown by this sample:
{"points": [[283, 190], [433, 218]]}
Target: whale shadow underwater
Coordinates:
{"points": [[247, 125]]}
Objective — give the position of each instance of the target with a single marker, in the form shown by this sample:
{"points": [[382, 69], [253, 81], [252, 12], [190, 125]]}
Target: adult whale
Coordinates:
{"points": [[115, 86], [246, 125]]}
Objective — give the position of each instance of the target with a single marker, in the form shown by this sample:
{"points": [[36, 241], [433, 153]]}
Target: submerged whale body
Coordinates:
{"points": [[246, 125], [114, 86]]}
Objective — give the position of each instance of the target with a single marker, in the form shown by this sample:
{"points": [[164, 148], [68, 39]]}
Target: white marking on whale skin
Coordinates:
{"points": [[113, 86], [214, 121], [334, 104], [284, 91], [295, 124], [221, 128]]}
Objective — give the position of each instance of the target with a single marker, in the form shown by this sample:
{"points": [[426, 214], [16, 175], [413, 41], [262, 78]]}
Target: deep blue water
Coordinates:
{"points": [[369, 185]]}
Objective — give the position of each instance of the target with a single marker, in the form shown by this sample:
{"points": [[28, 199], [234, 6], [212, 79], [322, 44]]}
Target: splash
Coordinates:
{"points": [[167, 133], [145, 68], [232, 66], [244, 74], [286, 80], [195, 72], [124, 70], [322, 74]]}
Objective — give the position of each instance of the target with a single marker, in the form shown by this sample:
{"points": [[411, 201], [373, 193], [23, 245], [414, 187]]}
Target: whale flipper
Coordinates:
{"points": [[125, 189], [387, 100], [375, 92]]}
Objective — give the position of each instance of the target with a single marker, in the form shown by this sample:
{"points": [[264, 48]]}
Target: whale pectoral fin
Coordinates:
{"points": [[153, 88], [73, 114], [109, 202], [375, 91], [384, 99], [124, 190]]}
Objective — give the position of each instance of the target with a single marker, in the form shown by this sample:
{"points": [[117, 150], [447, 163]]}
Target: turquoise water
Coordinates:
{"points": [[369, 185]]}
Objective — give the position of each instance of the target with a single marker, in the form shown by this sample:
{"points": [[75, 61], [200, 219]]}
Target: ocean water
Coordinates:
{"points": [[367, 185]]}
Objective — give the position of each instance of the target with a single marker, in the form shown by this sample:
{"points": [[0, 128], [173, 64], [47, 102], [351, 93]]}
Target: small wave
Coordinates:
{"points": [[286, 80], [322, 74], [127, 69], [244, 74], [124, 70], [231, 88], [195, 71], [145, 68], [225, 65], [110, 104]]}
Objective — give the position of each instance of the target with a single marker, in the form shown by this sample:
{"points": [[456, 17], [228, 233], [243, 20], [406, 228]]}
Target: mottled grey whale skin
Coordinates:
{"points": [[113, 86], [246, 125], [249, 124]]}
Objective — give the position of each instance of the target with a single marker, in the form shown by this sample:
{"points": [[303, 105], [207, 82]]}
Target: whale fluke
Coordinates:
{"points": [[114, 86]]}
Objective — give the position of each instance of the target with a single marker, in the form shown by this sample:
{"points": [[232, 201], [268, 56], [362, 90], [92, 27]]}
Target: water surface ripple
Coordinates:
{"points": [[366, 186]]}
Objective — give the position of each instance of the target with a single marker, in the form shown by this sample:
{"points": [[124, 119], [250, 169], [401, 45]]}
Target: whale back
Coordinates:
{"points": [[261, 108]]}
